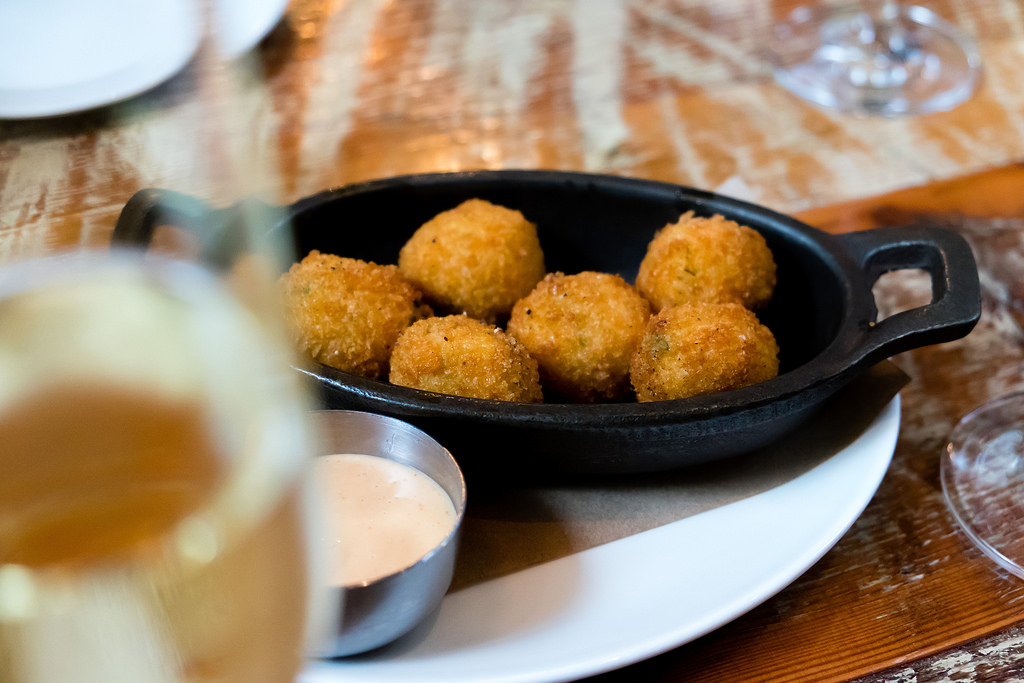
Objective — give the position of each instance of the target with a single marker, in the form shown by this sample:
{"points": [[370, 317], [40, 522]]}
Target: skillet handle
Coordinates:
{"points": [[219, 240], [152, 207], [956, 292]]}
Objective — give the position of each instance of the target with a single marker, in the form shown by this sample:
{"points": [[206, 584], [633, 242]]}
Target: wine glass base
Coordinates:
{"points": [[907, 61], [982, 476]]}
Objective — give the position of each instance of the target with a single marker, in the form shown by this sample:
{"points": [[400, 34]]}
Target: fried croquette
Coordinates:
{"points": [[463, 356], [478, 259], [707, 259], [582, 330], [348, 313], [701, 348]]}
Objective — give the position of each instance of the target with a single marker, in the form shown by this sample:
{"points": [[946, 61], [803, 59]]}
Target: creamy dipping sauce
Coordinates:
{"points": [[383, 516]]}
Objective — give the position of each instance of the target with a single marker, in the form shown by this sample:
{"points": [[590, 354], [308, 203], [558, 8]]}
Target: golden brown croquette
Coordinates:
{"points": [[478, 259], [701, 348], [347, 313], [466, 357], [707, 259], [582, 329]]}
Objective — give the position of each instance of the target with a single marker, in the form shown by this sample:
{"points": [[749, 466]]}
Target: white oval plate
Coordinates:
{"points": [[64, 56], [637, 597]]}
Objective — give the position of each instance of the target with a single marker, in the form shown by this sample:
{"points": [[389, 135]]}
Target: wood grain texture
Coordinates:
{"points": [[667, 89]]}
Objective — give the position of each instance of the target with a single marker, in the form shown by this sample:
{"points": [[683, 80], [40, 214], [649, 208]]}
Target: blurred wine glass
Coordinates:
{"points": [[876, 57], [155, 513], [982, 475]]}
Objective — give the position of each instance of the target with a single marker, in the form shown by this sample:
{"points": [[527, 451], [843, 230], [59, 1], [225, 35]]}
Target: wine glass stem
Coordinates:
{"points": [[888, 34], [879, 9], [876, 57]]}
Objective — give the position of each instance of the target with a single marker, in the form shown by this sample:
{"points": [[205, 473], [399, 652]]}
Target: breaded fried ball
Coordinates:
{"points": [[582, 329], [463, 356], [478, 259], [347, 313], [701, 348], [707, 259]]}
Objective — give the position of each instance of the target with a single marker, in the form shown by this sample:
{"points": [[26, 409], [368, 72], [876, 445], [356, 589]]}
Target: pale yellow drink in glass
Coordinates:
{"points": [[153, 500]]}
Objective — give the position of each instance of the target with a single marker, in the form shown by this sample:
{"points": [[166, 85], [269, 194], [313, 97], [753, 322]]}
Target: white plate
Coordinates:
{"points": [[64, 56], [631, 599]]}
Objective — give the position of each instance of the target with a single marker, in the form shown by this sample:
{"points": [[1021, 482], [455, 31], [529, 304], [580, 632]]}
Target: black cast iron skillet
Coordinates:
{"points": [[823, 312]]}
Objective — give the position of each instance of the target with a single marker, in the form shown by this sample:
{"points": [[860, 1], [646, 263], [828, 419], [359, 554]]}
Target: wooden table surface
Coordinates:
{"points": [[679, 91]]}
